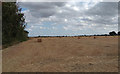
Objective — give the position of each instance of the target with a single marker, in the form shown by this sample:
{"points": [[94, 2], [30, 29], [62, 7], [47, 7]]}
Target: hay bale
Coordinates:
{"points": [[94, 37], [78, 37], [91, 64], [39, 40], [60, 37]]}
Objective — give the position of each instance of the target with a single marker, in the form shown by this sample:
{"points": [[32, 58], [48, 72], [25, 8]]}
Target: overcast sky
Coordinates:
{"points": [[70, 18]]}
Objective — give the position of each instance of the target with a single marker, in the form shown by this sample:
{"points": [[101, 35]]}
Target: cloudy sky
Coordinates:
{"points": [[70, 18]]}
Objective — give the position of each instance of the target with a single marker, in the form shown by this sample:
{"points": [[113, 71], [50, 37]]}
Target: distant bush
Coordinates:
{"points": [[118, 32], [113, 33]]}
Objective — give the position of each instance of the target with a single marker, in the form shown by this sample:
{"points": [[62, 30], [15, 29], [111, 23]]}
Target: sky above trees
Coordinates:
{"points": [[70, 18]]}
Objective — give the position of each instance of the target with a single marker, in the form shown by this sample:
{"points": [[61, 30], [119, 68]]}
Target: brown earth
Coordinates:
{"points": [[66, 54]]}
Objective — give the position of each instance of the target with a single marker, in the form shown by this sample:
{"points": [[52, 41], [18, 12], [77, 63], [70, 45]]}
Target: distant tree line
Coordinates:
{"points": [[13, 23], [113, 33]]}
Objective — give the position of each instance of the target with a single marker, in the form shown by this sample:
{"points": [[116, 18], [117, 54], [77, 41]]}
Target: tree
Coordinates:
{"points": [[118, 32], [13, 23], [113, 33]]}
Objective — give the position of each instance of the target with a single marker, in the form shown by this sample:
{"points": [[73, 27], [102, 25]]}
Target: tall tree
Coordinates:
{"points": [[13, 23]]}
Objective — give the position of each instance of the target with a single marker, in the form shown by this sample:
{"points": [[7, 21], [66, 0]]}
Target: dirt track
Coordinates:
{"points": [[63, 55]]}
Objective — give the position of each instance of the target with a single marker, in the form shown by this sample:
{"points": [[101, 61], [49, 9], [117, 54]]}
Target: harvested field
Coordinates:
{"points": [[63, 54]]}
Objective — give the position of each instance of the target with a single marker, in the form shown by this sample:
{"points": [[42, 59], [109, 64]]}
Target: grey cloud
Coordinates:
{"points": [[42, 9], [104, 9], [41, 5], [43, 13]]}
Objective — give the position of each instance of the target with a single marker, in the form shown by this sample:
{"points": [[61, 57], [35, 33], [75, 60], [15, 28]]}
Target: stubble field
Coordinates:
{"points": [[65, 54]]}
